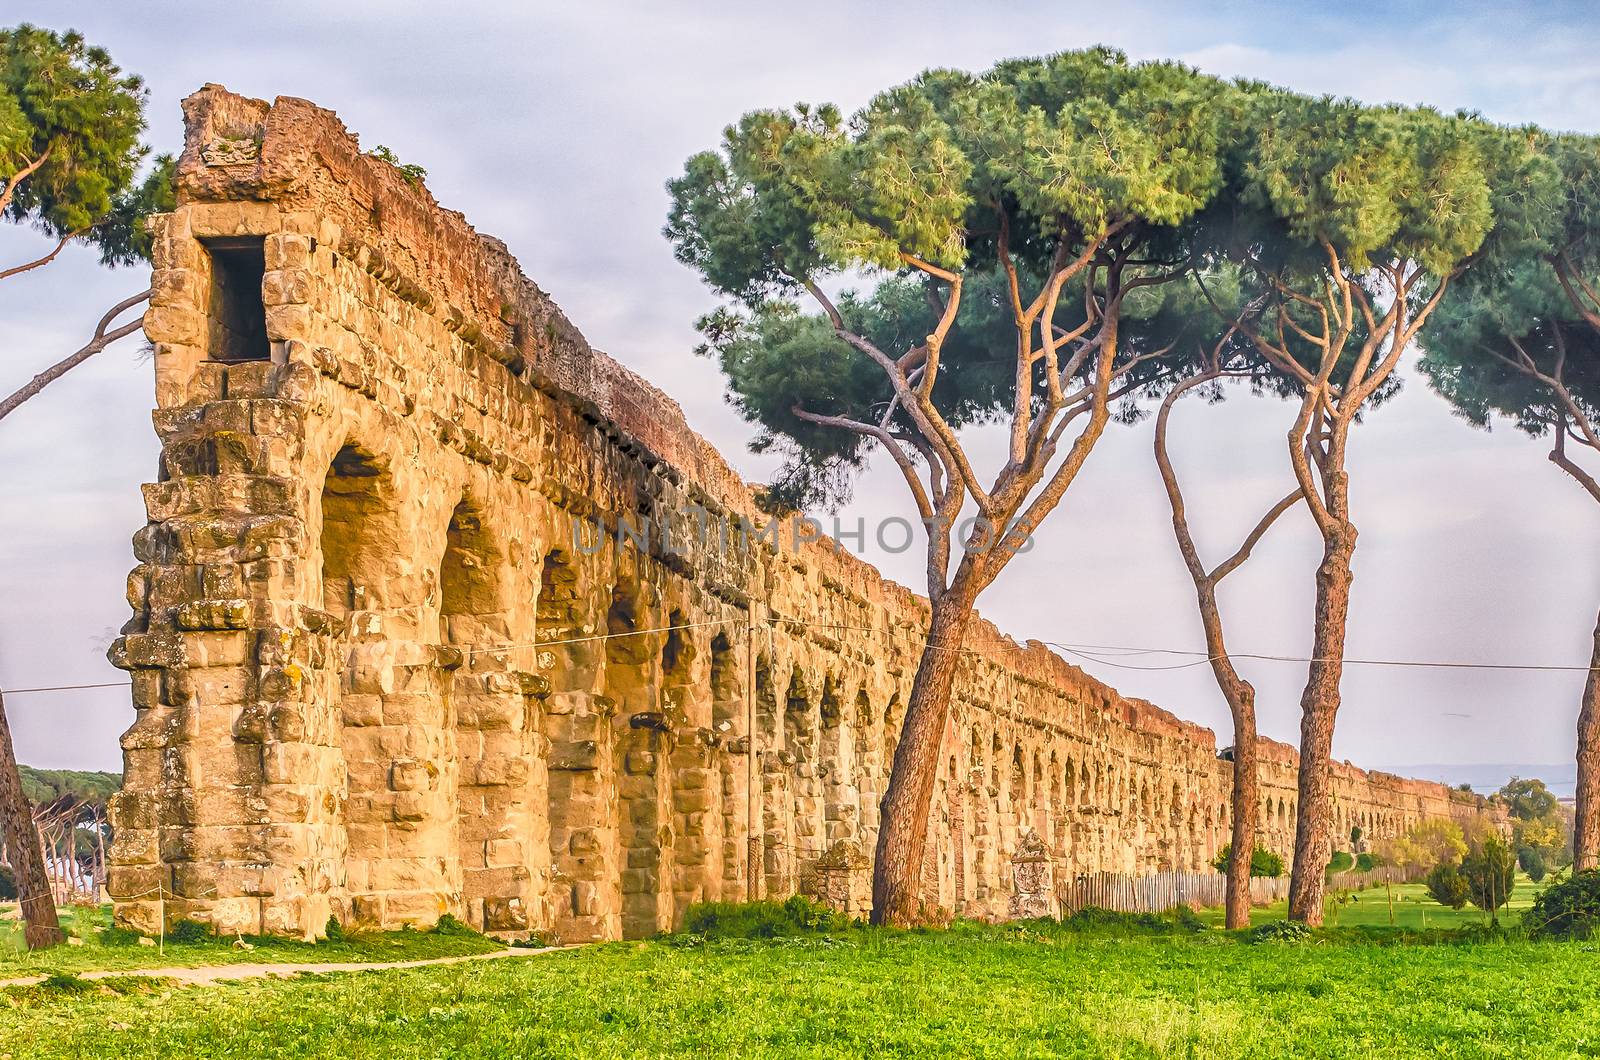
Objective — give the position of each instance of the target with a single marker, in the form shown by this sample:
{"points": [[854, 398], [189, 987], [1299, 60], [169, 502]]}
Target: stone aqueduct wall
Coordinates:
{"points": [[370, 669]]}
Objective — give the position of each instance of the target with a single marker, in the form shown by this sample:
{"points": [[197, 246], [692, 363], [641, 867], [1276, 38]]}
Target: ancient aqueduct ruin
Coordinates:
{"points": [[369, 666]]}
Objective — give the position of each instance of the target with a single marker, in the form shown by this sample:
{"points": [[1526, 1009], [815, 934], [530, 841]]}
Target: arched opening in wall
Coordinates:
{"points": [[469, 584], [685, 701], [360, 534], [359, 544], [864, 746], [580, 787], [1037, 803], [801, 721], [727, 703], [1019, 789], [626, 645], [672, 647], [632, 682], [835, 760], [494, 819], [728, 721], [1058, 817], [996, 753], [892, 719]]}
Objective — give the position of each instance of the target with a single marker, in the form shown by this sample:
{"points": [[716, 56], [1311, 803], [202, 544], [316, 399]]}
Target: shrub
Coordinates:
{"points": [[8, 885], [333, 931], [762, 920], [1263, 862], [1365, 862], [184, 930], [1181, 920], [1281, 931], [1533, 863], [450, 926], [1567, 909], [1490, 872], [1447, 886], [1341, 862]]}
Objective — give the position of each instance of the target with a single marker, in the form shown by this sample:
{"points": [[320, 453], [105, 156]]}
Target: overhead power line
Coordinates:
{"points": [[1102, 654]]}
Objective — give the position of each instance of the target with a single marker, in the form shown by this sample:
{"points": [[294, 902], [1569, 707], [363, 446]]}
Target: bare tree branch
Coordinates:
{"points": [[19, 176], [102, 338]]}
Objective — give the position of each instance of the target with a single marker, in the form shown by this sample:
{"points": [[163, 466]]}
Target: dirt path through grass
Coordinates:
{"points": [[206, 975]]}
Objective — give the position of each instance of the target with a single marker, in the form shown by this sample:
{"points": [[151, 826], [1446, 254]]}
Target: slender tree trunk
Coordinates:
{"points": [[1246, 795], [1241, 697], [1319, 705], [903, 828], [22, 841], [1586, 821]]}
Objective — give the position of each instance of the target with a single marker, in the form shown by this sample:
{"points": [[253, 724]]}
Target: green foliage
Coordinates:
{"points": [[123, 236], [1447, 886], [185, 931], [413, 174], [1540, 830], [1281, 931], [1567, 909], [65, 983], [1366, 862], [762, 920], [64, 101], [1056, 150], [1094, 920], [450, 927], [1510, 316], [1531, 861], [1263, 862], [1341, 862], [333, 930], [1429, 842], [1528, 800], [8, 884], [1490, 871], [47, 785]]}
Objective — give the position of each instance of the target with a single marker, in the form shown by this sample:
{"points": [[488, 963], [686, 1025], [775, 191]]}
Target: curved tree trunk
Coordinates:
{"points": [[22, 843], [1319, 704], [1586, 821], [903, 828]]}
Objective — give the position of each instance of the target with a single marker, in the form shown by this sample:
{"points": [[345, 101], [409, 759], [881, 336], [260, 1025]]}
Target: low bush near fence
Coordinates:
{"points": [[762, 920], [1567, 909]]}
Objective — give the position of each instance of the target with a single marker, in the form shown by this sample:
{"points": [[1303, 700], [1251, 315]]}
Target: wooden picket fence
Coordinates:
{"points": [[1198, 890]]}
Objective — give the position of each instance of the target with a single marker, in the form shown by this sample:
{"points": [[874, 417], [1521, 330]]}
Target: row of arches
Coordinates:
{"points": [[585, 744]]}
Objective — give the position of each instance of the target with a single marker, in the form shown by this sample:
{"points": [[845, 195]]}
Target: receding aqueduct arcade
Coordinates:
{"points": [[377, 677]]}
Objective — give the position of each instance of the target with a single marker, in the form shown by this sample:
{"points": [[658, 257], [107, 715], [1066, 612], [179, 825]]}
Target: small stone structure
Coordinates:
{"points": [[440, 610]]}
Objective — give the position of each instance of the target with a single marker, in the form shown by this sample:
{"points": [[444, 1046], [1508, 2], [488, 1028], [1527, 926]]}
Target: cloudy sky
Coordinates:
{"points": [[554, 127]]}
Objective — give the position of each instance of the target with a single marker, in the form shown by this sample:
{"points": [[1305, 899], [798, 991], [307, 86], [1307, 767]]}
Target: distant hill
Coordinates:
{"points": [[1487, 777], [44, 785]]}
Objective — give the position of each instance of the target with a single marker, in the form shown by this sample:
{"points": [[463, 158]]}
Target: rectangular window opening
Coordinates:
{"points": [[237, 318]]}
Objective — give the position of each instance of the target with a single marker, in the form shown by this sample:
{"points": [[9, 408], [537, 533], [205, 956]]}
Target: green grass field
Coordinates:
{"points": [[94, 952], [1033, 989], [1412, 909]]}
